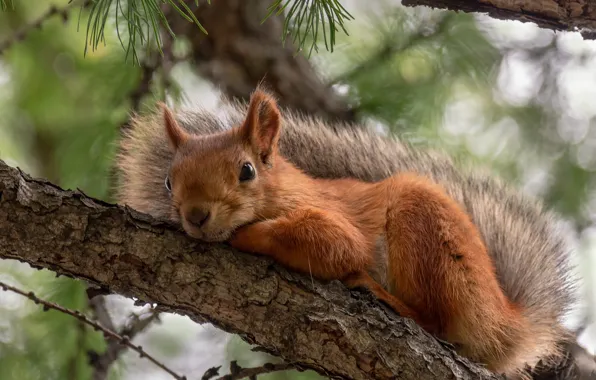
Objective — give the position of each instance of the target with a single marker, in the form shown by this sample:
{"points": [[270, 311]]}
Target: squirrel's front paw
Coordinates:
{"points": [[241, 239], [252, 238]]}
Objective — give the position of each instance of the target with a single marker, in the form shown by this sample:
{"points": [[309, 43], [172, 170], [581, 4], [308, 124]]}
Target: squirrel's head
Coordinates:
{"points": [[218, 182]]}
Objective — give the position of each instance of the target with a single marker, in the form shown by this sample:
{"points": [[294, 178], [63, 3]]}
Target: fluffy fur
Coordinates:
{"points": [[526, 242]]}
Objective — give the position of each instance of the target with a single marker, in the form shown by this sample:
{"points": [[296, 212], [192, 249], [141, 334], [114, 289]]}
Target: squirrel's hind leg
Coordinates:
{"points": [[439, 266], [364, 280]]}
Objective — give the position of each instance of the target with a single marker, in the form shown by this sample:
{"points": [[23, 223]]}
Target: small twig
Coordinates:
{"points": [[211, 373], [123, 340], [238, 372], [250, 372], [103, 362], [36, 24]]}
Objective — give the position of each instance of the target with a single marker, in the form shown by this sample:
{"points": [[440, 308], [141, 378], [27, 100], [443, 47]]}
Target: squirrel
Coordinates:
{"points": [[472, 261]]}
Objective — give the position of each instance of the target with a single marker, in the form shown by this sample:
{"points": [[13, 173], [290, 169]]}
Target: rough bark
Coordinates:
{"points": [[552, 14], [324, 327], [241, 51]]}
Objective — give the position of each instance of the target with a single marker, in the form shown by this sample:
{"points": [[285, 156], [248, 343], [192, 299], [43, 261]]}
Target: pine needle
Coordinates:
{"points": [[306, 18], [141, 19]]}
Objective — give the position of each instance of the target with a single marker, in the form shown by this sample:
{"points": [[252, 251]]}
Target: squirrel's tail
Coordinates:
{"points": [[531, 250], [528, 243]]}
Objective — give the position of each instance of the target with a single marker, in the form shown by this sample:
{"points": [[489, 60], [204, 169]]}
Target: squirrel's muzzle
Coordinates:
{"points": [[197, 217]]}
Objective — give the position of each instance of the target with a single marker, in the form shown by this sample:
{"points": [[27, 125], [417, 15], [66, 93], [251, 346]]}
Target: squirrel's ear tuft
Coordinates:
{"points": [[262, 125], [176, 135]]}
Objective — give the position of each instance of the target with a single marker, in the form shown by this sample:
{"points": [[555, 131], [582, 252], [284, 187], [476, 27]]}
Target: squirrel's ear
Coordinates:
{"points": [[176, 135], [262, 125]]}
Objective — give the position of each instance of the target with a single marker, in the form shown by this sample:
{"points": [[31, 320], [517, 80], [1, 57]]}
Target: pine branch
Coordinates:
{"points": [[52, 11], [144, 18], [304, 18], [122, 340], [305, 21]]}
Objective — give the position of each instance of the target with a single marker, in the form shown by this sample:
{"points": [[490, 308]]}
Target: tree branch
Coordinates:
{"points": [[550, 14], [324, 327]]}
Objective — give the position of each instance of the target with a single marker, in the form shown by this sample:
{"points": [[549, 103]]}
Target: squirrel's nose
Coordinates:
{"points": [[197, 217]]}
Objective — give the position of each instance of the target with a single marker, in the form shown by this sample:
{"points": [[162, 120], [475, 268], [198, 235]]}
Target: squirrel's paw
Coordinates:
{"points": [[240, 239], [254, 238]]}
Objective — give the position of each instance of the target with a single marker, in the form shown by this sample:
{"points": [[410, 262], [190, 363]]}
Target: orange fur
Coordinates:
{"points": [[438, 270]]}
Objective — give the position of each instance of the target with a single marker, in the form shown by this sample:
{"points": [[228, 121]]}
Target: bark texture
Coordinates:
{"points": [[552, 14], [241, 51], [325, 327]]}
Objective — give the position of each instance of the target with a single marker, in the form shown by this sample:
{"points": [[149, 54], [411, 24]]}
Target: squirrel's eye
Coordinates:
{"points": [[168, 184], [247, 172]]}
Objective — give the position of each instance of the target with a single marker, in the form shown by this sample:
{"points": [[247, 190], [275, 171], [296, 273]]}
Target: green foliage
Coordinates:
{"points": [[39, 332], [304, 18], [67, 119], [138, 22], [60, 116], [142, 19], [407, 77]]}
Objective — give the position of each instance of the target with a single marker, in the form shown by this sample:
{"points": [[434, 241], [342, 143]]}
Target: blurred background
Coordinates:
{"points": [[504, 95]]}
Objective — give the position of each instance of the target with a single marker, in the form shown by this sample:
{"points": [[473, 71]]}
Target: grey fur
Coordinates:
{"points": [[528, 243]]}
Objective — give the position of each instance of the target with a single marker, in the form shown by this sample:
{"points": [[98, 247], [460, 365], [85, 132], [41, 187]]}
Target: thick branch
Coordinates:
{"points": [[312, 325], [552, 14], [240, 52]]}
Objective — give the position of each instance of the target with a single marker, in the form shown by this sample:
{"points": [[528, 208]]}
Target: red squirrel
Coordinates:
{"points": [[235, 186]]}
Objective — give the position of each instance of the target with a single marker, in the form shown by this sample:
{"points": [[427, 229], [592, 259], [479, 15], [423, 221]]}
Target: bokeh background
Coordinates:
{"points": [[513, 98]]}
